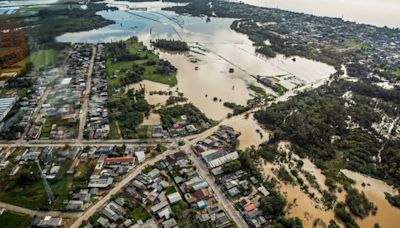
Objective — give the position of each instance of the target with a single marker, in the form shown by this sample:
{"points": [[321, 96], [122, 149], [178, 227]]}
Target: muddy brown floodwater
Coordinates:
{"points": [[387, 215]]}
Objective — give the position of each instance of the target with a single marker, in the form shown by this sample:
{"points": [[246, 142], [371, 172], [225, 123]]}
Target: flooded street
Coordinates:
{"points": [[361, 11], [150, 89], [251, 132], [303, 207]]}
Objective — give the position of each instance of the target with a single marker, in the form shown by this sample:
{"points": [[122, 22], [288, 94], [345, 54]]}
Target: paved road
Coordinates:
{"points": [[118, 187], [86, 96], [25, 211]]}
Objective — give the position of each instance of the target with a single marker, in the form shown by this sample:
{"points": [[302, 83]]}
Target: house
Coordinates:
{"points": [[164, 213], [119, 161], [100, 182], [200, 185], [74, 205], [202, 194], [103, 221], [215, 158], [154, 173], [202, 204], [49, 221], [170, 223], [158, 206], [263, 191], [174, 197], [140, 156]]}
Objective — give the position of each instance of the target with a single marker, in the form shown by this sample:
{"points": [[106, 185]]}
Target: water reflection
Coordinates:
{"points": [[203, 74]]}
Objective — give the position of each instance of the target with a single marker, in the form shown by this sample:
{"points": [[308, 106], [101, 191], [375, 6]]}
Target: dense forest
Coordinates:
{"points": [[334, 127]]}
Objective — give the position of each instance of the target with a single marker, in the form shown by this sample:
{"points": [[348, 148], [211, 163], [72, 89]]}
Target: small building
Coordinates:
{"points": [[174, 197]]}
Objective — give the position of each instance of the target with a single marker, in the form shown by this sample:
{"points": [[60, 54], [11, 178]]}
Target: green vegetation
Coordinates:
{"points": [[44, 23], [26, 188], [284, 175], [43, 58], [171, 45], [259, 92], [231, 166], [358, 203], [393, 200], [321, 114], [342, 214], [129, 110], [170, 190], [355, 44], [130, 62], [8, 219], [273, 204], [237, 109], [267, 51], [114, 134], [179, 207], [175, 99], [397, 73], [171, 115], [139, 213]]}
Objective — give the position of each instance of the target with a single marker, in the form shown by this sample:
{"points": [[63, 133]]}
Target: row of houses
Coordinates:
{"points": [[244, 190], [164, 190], [97, 124], [182, 127], [59, 115]]}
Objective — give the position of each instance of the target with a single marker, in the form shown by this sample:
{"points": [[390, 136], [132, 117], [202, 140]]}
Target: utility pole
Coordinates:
{"points": [[50, 195]]}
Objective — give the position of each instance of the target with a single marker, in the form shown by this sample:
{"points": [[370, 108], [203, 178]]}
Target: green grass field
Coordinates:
{"points": [[32, 194], [355, 44], [8, 220], [118, 68], [114, 130], [43, 58]]}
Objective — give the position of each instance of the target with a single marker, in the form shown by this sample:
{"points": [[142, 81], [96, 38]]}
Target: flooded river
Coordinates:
{"points": [[375, 12], [203, 73]]}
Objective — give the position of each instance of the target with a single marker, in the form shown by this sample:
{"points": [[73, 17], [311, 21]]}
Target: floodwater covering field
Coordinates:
{"points": [[203, 74], [309, 210]]}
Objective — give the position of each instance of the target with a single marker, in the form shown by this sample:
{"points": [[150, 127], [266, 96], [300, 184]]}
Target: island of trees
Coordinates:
{"points": [[171, 45]]}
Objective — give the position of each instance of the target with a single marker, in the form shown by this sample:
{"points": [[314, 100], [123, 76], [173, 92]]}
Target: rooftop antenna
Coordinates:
{"points": [[49, 192]]}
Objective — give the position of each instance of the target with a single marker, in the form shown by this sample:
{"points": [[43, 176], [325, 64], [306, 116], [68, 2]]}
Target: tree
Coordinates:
{"points": [[231, 166]]}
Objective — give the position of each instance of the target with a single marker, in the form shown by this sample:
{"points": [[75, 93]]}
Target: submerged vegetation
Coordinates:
{"points": [[314, 118], [171, 45]]}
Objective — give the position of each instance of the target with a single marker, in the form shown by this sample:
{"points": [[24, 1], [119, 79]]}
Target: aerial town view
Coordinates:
{"points": [[200, 113]]}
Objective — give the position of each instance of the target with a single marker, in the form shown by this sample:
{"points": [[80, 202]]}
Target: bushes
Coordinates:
{"points": [[393, 200], [342, 214], [273, 204], [237, 109], [358, 203]]}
